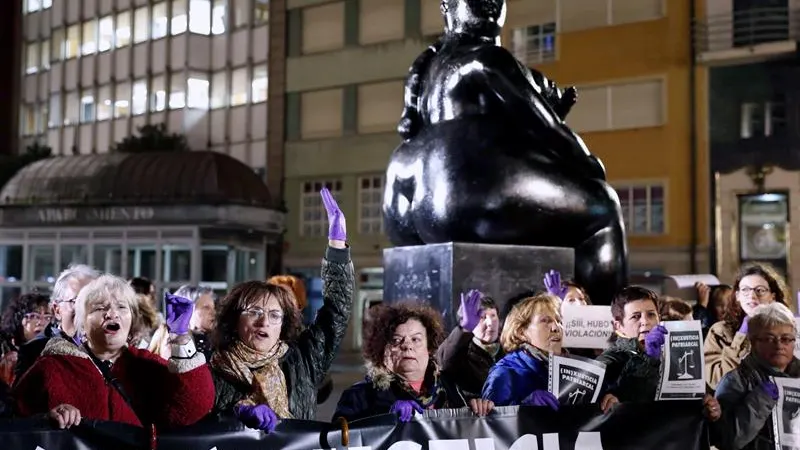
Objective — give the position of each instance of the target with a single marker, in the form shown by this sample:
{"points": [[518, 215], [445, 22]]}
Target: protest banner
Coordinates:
{"points": [[575, 380], [587, 326], [786, 414], [681, 376]]}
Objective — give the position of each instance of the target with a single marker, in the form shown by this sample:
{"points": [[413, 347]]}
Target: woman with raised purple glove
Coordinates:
{"points": [[746, 395], [473, 347], [570, 293], [532, 331], [726, 344], [105, 379], [634, 359], [403, 377], [267, 366]]}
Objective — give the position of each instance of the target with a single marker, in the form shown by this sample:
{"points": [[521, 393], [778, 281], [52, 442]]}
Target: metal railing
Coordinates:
{"points": [[746, 28]]}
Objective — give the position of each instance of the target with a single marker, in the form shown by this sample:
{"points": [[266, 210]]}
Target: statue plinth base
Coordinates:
{"points": [[437, 273]]}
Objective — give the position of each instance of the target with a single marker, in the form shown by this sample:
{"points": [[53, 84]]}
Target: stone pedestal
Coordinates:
{"points": [[437, 273]]}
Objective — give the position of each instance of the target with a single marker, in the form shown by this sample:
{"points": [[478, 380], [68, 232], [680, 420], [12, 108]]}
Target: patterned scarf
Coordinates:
{"points": [[432, 395], [261, 371]]}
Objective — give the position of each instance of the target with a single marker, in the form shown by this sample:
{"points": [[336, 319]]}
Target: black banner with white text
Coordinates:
{"points": [[663, 425]]}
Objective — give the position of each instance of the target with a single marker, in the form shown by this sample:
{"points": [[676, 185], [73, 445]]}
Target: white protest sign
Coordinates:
{"points": [[786, 414], [587, 326], [685, 281], [682, 362]]}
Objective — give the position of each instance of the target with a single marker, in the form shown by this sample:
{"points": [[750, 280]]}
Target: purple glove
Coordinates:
{"points": [[541, 398], [336, 224], [743, 328], [552, 281], [770, 388], [179, 311], [405, 409], [260, 417], [654, 341], [470, 310]]}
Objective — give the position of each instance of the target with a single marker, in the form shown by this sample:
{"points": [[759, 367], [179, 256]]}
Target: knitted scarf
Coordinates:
{"points": [[431, 396], [259, 370]]}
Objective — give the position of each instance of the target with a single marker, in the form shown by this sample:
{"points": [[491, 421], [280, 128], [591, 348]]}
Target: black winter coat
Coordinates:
{"points": [[631, 375], [465, 363], [309, 357], [30, 351]]}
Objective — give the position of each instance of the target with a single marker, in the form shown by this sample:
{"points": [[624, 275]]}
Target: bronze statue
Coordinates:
{"points": [[487, 158]]}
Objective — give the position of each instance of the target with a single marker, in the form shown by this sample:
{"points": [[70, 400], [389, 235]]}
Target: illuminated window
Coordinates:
{"points": [[260, 11], [32, 58], [179, 20], [534, 44], [642, 208], [141, 25], [219, 17], [239, 87], [47, 4], [241, 13], [122, 100], [160, 20], [89, 45], [139, 97], [45, 62], [197, 91], [177, 91], [313, 219], [158, 94], [87, 107], [219, 89], [200, 16], [28, 119], [71, 44], [123, 30], [260, 84], [57, 45], [54, 119], [104, 103], [370, 205], [105, 34], [33, 5], [72, 109]]}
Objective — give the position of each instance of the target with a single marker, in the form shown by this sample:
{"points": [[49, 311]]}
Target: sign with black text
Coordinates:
{"points": [[786, 414], [575, 380], [588, 326], [682, 362]]}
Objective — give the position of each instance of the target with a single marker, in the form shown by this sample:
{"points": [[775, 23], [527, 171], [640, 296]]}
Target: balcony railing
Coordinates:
{"points": [[746, 29]]}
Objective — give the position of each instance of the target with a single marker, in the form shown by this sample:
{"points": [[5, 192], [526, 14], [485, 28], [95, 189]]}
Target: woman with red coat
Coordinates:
{"points": [[105, 379]]}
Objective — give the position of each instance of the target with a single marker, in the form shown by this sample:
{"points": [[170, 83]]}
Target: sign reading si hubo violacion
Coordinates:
{"points": [[587, 326]]}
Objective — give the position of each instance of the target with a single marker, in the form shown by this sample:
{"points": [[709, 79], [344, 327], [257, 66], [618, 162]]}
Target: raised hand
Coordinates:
{"points": [[470, 310], [179, 312], [654, 340], [541, 398], [337, 230], [552, 281], [260, 417], [405, 409], [770, 388], [743, 328]]}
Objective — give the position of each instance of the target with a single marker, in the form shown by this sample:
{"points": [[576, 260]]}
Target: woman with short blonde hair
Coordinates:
{"points": [[513, 336]]}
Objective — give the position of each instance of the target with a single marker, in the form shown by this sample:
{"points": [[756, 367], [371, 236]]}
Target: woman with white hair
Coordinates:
{"points": [[747, 394], [105, 379]]}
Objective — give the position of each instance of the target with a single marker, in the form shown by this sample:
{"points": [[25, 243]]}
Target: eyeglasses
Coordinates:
{"points": [[415, 341], [274, 316], [760, 291], [70, 301], [36, 317], [784, 340]]}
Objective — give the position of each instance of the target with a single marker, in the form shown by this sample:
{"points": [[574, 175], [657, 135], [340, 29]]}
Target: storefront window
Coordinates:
{"points": [[250, 265], [73, 254], [177, 263], [10, 263], [108, 258], [42, 267], [214, 264], [142, 261]]}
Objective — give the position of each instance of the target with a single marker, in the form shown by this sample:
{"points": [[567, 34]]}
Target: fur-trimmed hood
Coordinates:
{"points": [[382, 378], [62, 347]]}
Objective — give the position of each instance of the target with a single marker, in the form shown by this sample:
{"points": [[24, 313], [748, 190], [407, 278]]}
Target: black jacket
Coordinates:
{"points": [[31, 350], [311, 355], [631, 375], [466, 363]]}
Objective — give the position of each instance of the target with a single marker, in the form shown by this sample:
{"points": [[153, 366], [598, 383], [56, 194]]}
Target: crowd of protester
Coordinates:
{"points": [[249, 355]]}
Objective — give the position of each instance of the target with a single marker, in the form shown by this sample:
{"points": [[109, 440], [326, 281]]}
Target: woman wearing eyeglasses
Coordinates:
{"points": [[727, 344], [266, 367], [747, 395], [24, 318]]}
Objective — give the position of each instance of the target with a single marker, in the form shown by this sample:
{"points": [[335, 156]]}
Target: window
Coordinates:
{"points": [[32, 58], [89, 45], [33, 5], [57, 45], [219, 17], [260, 84], [122, 100], [323, 28], [239, 87], [141, 25], [200, 16], [177, 91], [619, 107], [219, 89], [123, 30], [321, 114], [139, 105], [586, 14], [642, 208], [45, 62], [54, 119], [534, 44], [180, 19], [379, 21], [71, 44], [241, 13], [87, 107], [47, 4], [197, 91], [160, 21], [104, 103], [28, 117], [158, 94], [763, 119], [370, 205], [260, 11], [313, 218], [105, 34], [377, 106], [72, 109]]}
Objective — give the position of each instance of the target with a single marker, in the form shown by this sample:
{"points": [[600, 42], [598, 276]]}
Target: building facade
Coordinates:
{"points": [[749, 50], [629, 58]]}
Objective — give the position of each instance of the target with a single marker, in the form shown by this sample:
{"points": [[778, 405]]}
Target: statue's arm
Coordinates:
{"points": [[561, 101], [410, 120]]}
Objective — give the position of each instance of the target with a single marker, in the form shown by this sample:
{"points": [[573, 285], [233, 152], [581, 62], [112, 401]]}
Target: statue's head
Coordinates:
{"points": [[482, 18]]}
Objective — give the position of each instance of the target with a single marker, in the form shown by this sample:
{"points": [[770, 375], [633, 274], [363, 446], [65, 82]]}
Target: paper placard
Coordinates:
{"points": [[587, 326], [686, 281], [682, 362], [575, 380], [786, 414]]}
